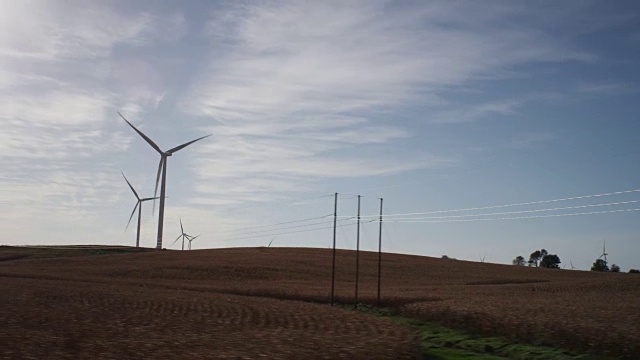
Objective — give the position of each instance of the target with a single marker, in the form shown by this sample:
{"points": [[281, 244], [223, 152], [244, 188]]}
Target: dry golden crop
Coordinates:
{"points": [[581, 310]]}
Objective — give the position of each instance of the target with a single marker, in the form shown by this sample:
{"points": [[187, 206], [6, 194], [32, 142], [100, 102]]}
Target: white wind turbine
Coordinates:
{"points": [[162, 168], [604, 251], [184, 236], [138, 207], [191, 238]]}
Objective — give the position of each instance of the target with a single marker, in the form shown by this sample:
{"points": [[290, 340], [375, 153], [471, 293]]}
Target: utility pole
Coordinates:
{"points": [[357, 255], [380, 252], [333, 269]]}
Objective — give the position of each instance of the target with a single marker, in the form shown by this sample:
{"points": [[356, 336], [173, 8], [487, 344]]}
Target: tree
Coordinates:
{"points": [[550, 261], [537, 256], [615, 268], [534, 257], [600, 265], [519, 261], [634, 271]]}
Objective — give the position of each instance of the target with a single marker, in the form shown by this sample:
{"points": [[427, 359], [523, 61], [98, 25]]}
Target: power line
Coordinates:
{"points": [[520, 212], [507, 205], [284, 228], [512, 218], [298, 231], [281, 223], [293, 202], [286, 222]]}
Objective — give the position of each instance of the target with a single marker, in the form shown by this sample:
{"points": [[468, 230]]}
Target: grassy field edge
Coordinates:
{"points": [[441, 342]]}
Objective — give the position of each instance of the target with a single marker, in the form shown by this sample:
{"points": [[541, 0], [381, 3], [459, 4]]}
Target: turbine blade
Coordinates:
{"points": [[155, 191], [151, 198], [153, 145], [180, 147], [132, 189], [181, 228], [176, 240], [131, 217], [195, 237]]}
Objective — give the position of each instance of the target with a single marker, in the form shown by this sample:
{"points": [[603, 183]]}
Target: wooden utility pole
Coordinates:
{"points": [[380, 252], [355, 303], [333, 269]]}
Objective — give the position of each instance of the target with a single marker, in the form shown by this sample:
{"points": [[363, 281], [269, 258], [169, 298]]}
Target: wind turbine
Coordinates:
{"points": [[572, 267], [139, 207], [184, 235], [191, 238], [162, 168], [268, 246], [604, 252]]}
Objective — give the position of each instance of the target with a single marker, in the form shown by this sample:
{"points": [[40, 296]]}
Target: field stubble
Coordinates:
{"points": [[574, 309]]}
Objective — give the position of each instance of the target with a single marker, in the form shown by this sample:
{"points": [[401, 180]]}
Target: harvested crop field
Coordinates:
{"points": [[244, 302]]}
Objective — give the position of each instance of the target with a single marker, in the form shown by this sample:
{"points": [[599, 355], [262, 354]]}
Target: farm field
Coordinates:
{"points": [[245, 302]]}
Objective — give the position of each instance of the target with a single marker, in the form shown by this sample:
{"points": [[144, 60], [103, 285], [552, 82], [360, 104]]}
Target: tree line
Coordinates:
{"points": [[542, 258]]}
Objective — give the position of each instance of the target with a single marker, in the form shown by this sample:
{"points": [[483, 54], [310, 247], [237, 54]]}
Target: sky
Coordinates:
{"points": [[436, 106]]}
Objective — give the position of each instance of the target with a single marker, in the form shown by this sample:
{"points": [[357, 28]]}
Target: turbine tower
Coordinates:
{"points": [[162, 168], [604, 251], [139, 207], [191, 238]]}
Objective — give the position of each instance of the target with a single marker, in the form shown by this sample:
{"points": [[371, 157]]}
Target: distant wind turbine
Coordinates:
{"points": [[271, 242], [191, 238], [139, 207], [604, 251], [162, 168], [184, 236]]}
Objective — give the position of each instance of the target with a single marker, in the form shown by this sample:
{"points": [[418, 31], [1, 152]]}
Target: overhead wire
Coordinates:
{"points": [[505, 205], [520, 212], [281, 223], [293, 232], [289, 222], [277, 226], [512, 218], [292, 202], [282, 228]]}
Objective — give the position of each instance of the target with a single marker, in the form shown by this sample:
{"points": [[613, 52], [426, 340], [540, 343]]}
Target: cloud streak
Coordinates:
{"points": [[298, 88]]}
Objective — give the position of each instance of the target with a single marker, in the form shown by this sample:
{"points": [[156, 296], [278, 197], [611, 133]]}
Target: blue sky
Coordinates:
{"points": [[433, 106]]}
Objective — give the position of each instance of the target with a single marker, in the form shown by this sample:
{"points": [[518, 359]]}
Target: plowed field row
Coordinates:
{"points": [[67, 319], [581, 310]]}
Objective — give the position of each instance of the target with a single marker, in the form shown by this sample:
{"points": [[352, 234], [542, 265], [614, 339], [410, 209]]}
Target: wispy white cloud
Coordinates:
{"points": [[45, 30], [474, 112], [298, 57], [60, 83], [606, 88], [292, 85], [60, 80]]}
